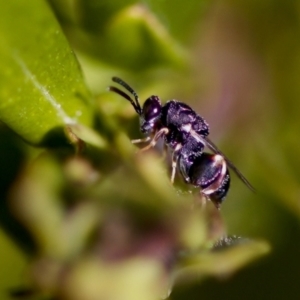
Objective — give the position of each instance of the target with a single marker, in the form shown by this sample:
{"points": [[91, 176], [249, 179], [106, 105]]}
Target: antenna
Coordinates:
{"points": [[135, 104]]}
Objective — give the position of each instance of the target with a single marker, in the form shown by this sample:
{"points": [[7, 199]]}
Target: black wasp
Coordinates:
{"points": [[185, 133]]}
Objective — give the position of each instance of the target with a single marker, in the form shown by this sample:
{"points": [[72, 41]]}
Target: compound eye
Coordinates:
{"points": [[152, 108]]}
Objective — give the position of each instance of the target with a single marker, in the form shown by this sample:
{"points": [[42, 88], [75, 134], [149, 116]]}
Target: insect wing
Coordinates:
{"points": [[210, 145]]}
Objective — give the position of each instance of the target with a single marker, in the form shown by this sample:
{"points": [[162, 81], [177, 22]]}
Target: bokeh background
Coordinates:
{"points": [[237, 63]]}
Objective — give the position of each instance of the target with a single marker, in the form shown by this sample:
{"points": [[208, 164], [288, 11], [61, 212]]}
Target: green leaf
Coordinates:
{"points": [[221, 262], [147, 43], [125, 35], [41, 85], [133, 279]]}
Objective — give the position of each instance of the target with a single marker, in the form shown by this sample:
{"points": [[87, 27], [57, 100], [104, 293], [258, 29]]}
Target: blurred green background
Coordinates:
{"points": [[237, 63]]}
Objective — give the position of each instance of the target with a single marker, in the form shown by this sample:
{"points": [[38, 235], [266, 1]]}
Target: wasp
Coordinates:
{"points": [[185, 133]]}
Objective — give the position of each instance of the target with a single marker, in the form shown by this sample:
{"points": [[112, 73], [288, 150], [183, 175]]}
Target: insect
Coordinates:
{"points": [[185, 134]]}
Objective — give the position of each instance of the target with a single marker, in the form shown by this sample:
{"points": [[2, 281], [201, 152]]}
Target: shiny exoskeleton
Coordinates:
{"points": [[185, 133]]}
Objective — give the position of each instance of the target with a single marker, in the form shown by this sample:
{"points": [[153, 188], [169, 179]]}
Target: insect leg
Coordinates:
{"points": [[163, 131], [139, 141], [175, 157]]}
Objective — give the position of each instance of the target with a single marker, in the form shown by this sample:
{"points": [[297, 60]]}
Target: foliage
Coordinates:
{"points": [[93, 218]]}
